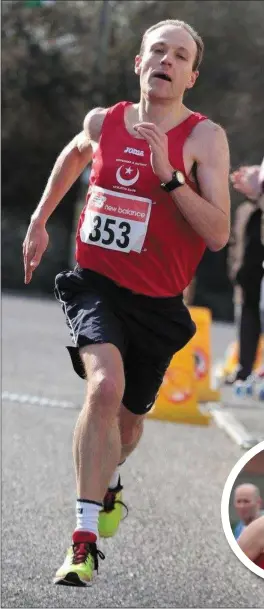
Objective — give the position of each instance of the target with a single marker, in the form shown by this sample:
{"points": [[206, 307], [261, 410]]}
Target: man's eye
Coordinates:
{"points": [[158, 50], [181, 57]]}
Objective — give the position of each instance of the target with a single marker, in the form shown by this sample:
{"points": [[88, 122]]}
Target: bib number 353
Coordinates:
{"points": [[115, 221], [108, 231]]}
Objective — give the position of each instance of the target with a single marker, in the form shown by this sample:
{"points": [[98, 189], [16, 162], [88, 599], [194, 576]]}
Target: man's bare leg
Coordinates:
{"points": [[131, 429], [97, 442]]}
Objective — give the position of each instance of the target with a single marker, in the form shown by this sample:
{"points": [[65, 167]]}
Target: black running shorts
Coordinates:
{"points": [[147, 331]]}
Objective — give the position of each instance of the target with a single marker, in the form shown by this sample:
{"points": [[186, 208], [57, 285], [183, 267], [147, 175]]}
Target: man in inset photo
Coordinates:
{"points": [[247, 504]]}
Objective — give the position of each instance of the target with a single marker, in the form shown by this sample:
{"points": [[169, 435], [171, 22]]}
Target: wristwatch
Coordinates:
{"points": [[177, 180]]}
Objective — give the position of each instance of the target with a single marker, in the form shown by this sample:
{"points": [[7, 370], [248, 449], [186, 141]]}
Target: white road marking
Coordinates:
{"points": [[36, 400], [225, 420]]}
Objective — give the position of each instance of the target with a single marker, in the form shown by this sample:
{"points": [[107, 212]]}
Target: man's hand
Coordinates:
{"points": [[246, 181], [34, 246], [158, 143]]}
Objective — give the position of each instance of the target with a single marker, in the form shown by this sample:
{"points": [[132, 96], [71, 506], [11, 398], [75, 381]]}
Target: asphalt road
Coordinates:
{"points": [[169, 552]]}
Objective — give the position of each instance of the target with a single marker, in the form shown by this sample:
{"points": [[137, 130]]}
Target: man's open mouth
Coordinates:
{"points": [[163, 76]]}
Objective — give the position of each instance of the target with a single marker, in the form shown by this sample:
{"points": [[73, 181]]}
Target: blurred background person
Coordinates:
{"points": [[247, 504], [236, 254], [246, 268], [261, 204]]}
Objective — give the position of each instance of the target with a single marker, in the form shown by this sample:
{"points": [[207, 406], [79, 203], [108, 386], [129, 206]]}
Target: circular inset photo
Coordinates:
{"points": [[242, 509]]}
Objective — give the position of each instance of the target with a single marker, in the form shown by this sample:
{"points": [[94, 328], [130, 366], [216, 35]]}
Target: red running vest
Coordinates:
{"points": [[130, 230]]}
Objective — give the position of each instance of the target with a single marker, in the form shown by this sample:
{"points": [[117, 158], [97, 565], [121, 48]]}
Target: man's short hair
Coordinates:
{"points": [[255, 489]]}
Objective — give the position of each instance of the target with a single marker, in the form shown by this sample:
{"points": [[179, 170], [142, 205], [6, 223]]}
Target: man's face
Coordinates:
{"points": [[166, 67], [246, 503]]}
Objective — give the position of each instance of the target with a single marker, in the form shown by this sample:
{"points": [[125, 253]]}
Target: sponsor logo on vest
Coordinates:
{"points": [[126, 181], [134, 151]]}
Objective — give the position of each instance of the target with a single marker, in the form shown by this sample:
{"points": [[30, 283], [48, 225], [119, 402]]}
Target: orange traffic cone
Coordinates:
{"points": [[177, 398], [201, 345]]}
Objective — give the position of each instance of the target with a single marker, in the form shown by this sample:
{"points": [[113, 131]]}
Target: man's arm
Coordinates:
{"points": [[69, 165], [67, 168], [208, 214], [236, 249], [261, 176], [251, 540]]}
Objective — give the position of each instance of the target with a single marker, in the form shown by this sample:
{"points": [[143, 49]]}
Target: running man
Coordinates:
{"points": [[158, 195]]}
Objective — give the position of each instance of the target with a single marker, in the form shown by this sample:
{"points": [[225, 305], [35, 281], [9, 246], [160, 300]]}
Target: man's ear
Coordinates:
{"points": [[138, 60], [193, 78]]}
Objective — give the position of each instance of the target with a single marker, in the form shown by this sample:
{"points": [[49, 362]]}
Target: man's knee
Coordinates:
{"points": [[105, 378], [103, 389]]}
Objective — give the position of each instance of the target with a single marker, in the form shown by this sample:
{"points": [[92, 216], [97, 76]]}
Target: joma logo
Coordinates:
{"points": [[134, 151]]}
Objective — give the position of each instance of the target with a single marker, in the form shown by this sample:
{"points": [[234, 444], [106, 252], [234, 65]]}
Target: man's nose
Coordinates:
{"points": [[166, 60]]}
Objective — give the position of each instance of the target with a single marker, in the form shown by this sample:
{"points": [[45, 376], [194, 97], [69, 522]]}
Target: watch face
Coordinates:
{"points": [[180, 177]]}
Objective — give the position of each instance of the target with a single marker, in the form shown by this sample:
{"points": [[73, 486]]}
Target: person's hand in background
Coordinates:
{"points": [[246, 180]]}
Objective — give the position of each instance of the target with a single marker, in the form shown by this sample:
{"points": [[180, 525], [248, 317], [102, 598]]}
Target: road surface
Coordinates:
{"points": [[170, 551]]}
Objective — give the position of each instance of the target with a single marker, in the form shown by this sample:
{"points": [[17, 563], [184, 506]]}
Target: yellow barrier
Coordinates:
{"points": [[201, 346], [177, 399]]}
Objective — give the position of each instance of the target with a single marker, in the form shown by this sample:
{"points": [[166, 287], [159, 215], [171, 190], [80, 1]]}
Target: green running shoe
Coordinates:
{"points": [[80, 562], [112, 513]]}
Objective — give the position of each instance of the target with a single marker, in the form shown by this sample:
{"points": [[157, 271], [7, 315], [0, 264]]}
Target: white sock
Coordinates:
{"points": [[87, 513], [115, 477]]}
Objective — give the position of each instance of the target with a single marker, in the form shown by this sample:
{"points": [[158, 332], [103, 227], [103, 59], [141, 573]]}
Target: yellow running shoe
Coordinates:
{"points": [[80, 562], [112, 513]]}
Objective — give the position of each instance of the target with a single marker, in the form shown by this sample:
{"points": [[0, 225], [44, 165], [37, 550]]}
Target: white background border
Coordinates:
{"points": [[225, 509]]}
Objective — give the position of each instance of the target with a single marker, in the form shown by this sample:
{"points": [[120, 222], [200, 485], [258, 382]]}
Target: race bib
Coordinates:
{"points": [[116, 221]]}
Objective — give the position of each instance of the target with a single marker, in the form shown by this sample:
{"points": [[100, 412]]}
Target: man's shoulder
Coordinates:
{"points": [[208, 129], [93, 123], [94, 120], [209, 141]]}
